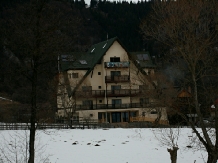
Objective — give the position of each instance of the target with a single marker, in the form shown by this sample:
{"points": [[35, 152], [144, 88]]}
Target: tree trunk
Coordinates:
{"points": [[173, 154], [33, 119], [211, 158]]}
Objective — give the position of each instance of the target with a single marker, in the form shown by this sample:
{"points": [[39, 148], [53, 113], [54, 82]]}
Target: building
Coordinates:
{"points": [[108, 84]]}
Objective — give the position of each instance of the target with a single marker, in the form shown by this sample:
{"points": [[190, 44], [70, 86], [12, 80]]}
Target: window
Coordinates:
{"points": [[144, 101], [115, 59], [116, 103], [74, 75], [125, 116], [99, 73], [99, 87], [86, 88], [154, 112], [100, 101], [88, 104], [115, 87], [115, 73]]}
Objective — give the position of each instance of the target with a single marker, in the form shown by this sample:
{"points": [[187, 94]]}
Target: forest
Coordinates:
{"points": [[97, 22]]}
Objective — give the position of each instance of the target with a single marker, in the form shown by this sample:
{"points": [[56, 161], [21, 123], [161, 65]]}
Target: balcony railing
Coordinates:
{"points": [[116, 64], [123, 92], [110, 93], [117, 79], [93, 93], [113, 106]]}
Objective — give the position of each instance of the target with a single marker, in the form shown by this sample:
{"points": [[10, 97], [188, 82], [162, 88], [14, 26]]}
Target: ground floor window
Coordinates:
{"points": [[125, 116], [116, 117]]}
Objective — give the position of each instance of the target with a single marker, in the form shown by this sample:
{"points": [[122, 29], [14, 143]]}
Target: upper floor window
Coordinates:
{"points": [[74, 75], [114, 59], [86, 88], [115, 73], [144, 101]]}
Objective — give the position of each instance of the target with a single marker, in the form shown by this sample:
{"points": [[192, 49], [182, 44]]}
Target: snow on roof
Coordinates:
{"points": [[2, 98]]}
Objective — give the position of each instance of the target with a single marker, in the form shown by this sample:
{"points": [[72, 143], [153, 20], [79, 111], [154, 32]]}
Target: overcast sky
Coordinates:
{"points": [[134, 1]]}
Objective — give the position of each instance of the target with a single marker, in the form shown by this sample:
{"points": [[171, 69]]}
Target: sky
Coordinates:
{"points": [[133, 1], [99, 146]]}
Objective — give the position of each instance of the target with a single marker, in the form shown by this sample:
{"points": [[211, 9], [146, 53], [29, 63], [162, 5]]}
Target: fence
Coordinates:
{"points": [[26, 126]]}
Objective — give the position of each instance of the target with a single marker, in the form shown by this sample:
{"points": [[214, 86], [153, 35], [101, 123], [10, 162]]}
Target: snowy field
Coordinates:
{"points": [[97, 146]]}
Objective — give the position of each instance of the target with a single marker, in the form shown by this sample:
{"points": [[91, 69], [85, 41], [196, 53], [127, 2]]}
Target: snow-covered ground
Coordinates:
{"points": [[98, 146]]}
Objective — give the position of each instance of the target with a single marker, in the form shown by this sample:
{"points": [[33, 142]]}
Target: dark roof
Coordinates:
{"points": [[67, 60], [143, 59], [91, 58]]}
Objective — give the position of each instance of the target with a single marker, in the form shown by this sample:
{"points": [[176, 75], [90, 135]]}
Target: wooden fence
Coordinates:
{"points": [[147, 119]]}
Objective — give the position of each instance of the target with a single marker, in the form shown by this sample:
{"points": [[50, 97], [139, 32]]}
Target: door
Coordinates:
{"points": [[116, 103], [88, 104], [115, 89], [125, 116], [116, 117], [115, 74]]}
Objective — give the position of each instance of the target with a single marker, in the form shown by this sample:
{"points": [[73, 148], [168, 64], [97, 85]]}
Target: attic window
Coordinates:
{"points": [[92, 50], [104, 45], [83, 62]]}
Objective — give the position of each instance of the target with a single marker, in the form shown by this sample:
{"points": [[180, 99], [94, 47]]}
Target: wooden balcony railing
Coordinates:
{"points": [[117, 79], [116, 64], [92, 93], [147, 119]]}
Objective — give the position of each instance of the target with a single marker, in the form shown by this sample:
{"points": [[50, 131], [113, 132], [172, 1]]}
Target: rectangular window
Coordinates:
{"points": [[88, 104], [144, 101], [100, 101], [115, 87], [115, 73], [125, 116], [99, 73], [99, 87], [133, 114], [114, 59], [116, 103], [116, 117], [86, 88], [74, 75]]}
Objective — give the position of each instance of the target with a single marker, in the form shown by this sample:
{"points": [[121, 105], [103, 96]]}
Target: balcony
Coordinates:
{"points": [[91, 93], [123, 92], [117, 79], [116, 64], [112, 106]]}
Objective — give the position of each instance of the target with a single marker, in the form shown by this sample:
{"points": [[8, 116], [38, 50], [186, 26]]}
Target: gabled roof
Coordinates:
{"points": [[92, 57], [89, 60]]}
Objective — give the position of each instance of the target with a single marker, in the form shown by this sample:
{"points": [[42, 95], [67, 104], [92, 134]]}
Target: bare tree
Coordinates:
{"points": [[168, 137], [188, 30], [36, 33]]}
